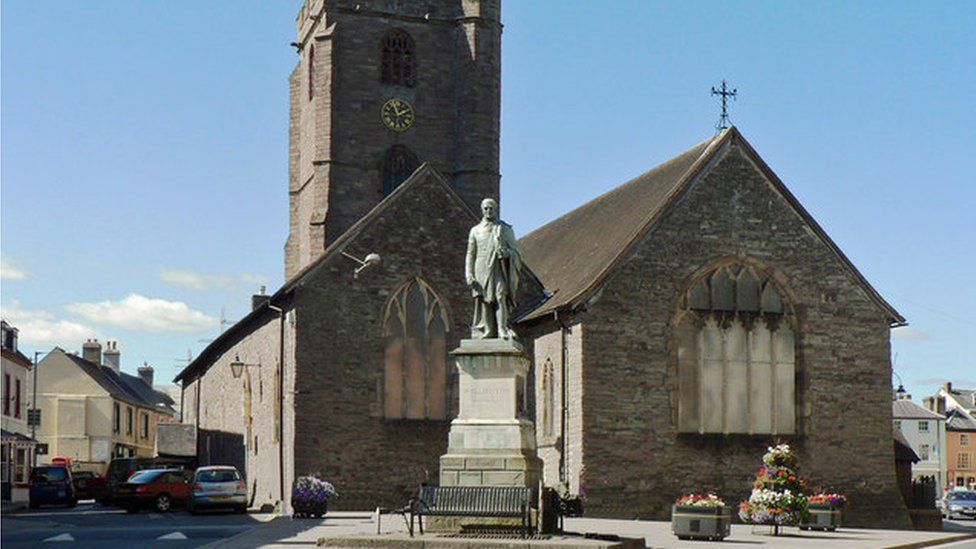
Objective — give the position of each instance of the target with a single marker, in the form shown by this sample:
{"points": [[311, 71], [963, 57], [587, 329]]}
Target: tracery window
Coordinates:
{"points": [[548, 399], [736, 355], [415, 328], [398, 65], [398, 164]]}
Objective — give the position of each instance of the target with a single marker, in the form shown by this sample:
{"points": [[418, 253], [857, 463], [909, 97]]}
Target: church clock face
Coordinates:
{"points": [[397, 114]]}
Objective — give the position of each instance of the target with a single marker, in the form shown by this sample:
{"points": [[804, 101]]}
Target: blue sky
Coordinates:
{"points": [[144, 148]]}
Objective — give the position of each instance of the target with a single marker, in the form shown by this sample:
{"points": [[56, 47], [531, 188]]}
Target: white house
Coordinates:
{"points": [[926, 433]]}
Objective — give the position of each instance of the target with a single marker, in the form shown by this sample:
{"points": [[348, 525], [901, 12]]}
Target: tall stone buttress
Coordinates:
{"points": [[349, 147]]}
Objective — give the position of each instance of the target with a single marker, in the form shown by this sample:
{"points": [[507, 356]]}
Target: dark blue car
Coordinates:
{"points": [[52, 485]]}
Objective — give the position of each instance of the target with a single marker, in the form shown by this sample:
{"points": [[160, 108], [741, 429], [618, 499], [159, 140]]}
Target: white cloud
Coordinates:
{"points": [[908, 333], [9, 270], [138, 312], [206, 281], [39, 327]]}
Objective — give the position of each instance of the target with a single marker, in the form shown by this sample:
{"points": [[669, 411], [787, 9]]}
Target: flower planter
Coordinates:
{"points": [[691, 522], [308, 509], [822, 517]]}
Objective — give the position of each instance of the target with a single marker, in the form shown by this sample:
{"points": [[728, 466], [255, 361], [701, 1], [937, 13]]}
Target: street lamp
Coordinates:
{"points": [[365, 263], [33, 413], [237, 367]]}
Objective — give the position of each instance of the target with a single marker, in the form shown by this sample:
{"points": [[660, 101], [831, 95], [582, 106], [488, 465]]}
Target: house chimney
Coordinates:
{"points": [[940, 405], [948, 387], [111, 357], [91, 351], [146, 373], [259, 299], [929, 403]]}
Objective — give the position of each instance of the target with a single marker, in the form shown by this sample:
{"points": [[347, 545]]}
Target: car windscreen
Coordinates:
{"points": [[962, 496], [145, 477], [50, 474], [218, 475]]}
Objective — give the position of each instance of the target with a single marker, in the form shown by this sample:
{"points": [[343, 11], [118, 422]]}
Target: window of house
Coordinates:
{"points": [[398, 64], [963, 439], [736, 355], [4, 462], [898, 424], [923, 452], [311, 71], [128, 420], [965, 460], [399, 163], [144, 420], [20, 466], [960, 481], [923, 426], [116, 418], [6, 394], [415, 328], [17, 399]]}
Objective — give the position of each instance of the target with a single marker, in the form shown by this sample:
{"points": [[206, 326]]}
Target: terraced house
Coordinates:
{"points": [[91, 411]]}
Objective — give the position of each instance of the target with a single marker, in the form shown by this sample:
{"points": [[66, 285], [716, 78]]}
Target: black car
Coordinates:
{"points": [[51, 485]]}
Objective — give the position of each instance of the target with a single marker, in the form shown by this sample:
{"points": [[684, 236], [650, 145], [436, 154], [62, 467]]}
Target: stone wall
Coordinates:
{"points": [[636, 462], [341, 431]]}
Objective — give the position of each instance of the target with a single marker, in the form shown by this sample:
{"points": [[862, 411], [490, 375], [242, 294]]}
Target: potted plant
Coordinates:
{"points": [[700, 516], [310, 496], [777, 497], [824, 511]]}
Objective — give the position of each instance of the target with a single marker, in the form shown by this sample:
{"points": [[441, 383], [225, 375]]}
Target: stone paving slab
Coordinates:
{"points": [[404, 541]]}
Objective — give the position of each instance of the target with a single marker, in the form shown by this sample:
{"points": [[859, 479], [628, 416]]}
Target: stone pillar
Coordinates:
{"points": [[492, 441]]}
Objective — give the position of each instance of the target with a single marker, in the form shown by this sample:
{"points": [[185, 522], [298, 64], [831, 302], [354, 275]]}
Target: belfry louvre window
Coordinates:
{"points": [[415, 328], [398, 164], [736, 355], [398, 65]]}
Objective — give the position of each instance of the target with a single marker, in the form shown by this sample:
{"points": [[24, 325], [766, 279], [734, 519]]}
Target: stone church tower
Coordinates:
{"points": [[381, 87]]}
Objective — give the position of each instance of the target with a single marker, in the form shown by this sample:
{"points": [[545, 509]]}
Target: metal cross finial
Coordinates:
{"points": [[723, 122]]}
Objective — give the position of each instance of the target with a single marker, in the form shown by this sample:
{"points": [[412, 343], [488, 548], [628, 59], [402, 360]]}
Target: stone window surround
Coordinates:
{"points": [[787, 297]]}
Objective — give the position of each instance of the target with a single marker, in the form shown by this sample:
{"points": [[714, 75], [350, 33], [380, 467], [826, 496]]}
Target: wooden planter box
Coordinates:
{"points": [[711, 523], [308, 509], [822, 517]]}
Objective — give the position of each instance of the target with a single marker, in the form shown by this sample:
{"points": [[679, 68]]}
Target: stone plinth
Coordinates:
{"points": [[492, 441]]}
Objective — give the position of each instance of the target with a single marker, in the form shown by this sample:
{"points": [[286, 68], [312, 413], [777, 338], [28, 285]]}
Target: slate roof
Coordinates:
{"points": [[903, 450], [956, 421], [964, 397], [122, 386], [10, 436], [574, 254], [906, 409]]}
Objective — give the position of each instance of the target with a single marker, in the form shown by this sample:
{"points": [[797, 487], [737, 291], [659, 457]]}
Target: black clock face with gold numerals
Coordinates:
{"points": [[397, 115]]}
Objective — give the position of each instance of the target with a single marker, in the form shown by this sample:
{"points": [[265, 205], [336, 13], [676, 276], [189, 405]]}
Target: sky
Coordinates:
{"points": [[143, 149]]}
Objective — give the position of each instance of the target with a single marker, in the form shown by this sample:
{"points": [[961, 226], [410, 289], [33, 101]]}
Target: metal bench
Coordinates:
{"points": [[473, 501]]}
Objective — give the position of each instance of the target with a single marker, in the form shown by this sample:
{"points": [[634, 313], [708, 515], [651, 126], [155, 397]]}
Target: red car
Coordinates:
{"points": [[157, 489]]}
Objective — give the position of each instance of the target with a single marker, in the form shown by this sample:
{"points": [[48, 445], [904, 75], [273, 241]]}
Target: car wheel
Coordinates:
{"points": [[72, 503], [241, 509], [191, 508], [33, 505], [132, 509], [163, 503]]}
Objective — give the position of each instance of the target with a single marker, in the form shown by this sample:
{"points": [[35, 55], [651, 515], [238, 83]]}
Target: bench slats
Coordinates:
{"points": [[490, 501]]}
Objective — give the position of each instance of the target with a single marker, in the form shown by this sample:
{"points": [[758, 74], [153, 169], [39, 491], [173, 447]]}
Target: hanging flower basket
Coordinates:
{"points": [[701, 516], [310, 496], [825, 512]]}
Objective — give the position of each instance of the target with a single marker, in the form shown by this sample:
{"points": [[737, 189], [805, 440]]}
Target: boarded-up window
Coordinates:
{"points": [[548, 399], [398, 65], [736, 356], [415, 355]]}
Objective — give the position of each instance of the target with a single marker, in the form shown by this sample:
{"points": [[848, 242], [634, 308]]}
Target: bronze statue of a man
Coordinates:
{"points": [[491, 269]]}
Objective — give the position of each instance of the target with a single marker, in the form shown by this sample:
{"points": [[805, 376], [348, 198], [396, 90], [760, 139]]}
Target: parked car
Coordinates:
{"points": [[157, 489], [959, 504], [88, 484], [51, 485], [219, 486]]}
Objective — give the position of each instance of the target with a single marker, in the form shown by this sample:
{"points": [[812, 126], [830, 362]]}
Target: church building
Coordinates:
{"points": [[679, 324]]}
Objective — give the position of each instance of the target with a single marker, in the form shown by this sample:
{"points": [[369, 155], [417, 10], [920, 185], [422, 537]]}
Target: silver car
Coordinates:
{"points": [[959, 504], [218, 486]]}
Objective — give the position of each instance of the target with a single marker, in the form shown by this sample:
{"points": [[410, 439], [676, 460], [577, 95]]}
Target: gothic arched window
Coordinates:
{"points": [[399, 64], [398, 164], [415, 329], [311, 71], [736, 347]]}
